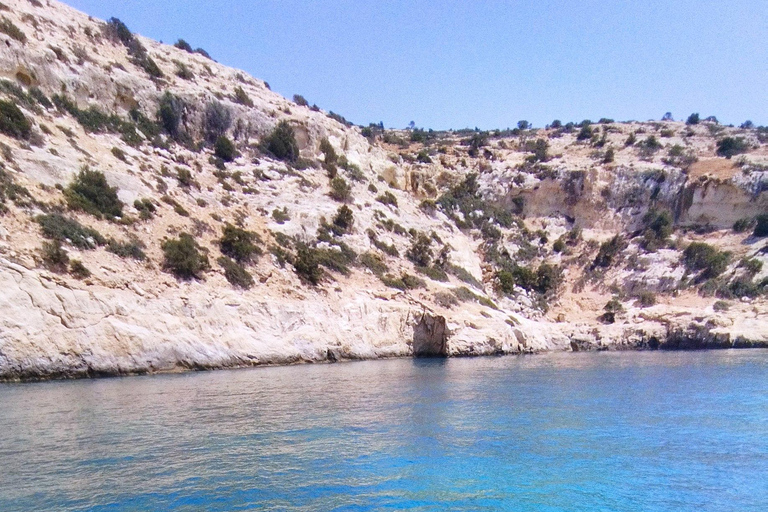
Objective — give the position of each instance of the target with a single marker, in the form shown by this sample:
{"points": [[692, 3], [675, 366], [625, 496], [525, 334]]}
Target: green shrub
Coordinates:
{"points": [[731, 146], [54, 256], [340, 190], [374, 263], [235, 273], [242, 97], [7, 27], [183, 257], [183, 71], [761, 225], [420, 253], [544, 281], [387, 198], [699, 256], [217, 121], [647, 299], [119, 154], [328, 152], [300, 100], [281, 143], [752, 266], [281, 216], [117, 31], [183, 45], [132, 248], [405, 282], [612, 309], [693, 119], [610, 251], [721, 305], [343, 221], [338, 260], [12, 121], [657, 230], [91, 193], [185, 179], [224, 149], [170, 114], [434, 272], [239, 244], [78, 270], [62, 229], [145, 207], [307, 264], [585, 133]]}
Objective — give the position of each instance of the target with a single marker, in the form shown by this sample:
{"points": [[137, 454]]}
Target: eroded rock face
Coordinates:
{"points": [[430, 336]]}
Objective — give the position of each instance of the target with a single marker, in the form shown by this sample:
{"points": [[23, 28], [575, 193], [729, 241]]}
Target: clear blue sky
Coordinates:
{"points": [[457, 64]]}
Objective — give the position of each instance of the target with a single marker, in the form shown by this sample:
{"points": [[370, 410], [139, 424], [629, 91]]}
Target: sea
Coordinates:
{"points": [[606, 431]]}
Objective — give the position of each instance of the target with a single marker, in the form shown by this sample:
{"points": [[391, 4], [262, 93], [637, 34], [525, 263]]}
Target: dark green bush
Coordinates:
{"points": [[343, 221], [119, 32], [235, 273], [328, 152], [242, 97], [145, 207], [7, 27], [585, 133], [170, 114], [731, 146], [340, 190], [374, 263], [300, 100], [281, 143], [13, 122], [62, 229], [387, 198], [91, 119], [657, 230], [405, 282], [647, 299], [217, 121], [699, 256], [183, 45], [612, 309], [693, 119], [338, 260], [183, 257], [131, 248], [78, 270], [239, 244], [761, 225], [185, 179], [281, 216], [307, 264], [420, 253], [54, 256], [610, 251], [91, 193]]}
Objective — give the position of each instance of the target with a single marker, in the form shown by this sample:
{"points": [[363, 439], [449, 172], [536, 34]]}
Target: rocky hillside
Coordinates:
{"points": [[162, 211]]}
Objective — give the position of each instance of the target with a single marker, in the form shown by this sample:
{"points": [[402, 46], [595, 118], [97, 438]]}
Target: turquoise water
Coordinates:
{"points": [[650, 431]]}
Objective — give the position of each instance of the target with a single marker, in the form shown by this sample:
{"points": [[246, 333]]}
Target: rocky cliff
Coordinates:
{"points": [[162, 211]]}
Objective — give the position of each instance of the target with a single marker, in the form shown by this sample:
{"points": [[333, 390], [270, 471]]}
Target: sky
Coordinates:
{"points": [[487, 64]]}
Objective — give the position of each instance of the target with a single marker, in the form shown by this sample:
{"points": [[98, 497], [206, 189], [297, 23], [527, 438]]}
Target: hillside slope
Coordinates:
{"points": [[236, 227]]}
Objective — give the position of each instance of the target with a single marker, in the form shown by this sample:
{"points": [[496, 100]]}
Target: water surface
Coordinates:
{"points": [[650, 431]]}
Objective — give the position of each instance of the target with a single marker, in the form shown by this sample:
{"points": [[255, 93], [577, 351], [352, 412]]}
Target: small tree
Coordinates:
{"points": [[91, 193], [693, 119], [761, 226], [170, 114], [340, 190], [344, 220], [217, 120], [239, 244], [420, 252], [730, 146], [183, 258], [281, 143], [12, 121], [224, 148]]}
